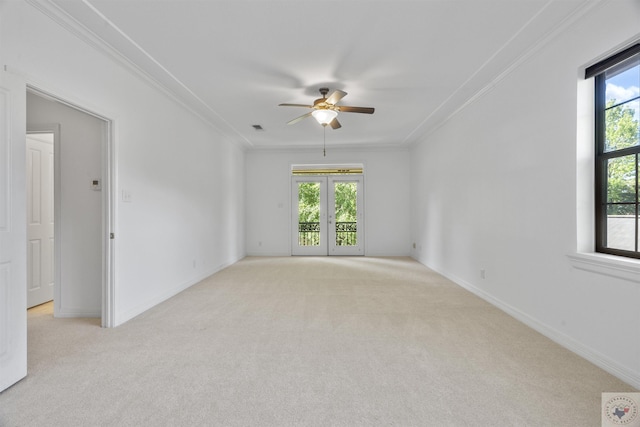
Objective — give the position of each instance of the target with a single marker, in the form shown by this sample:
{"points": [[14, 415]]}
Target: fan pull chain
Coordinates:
{"points": [[324, 140]]}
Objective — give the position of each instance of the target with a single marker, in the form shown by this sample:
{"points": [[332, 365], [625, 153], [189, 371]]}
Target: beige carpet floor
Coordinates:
{"points": [[300, 341]]}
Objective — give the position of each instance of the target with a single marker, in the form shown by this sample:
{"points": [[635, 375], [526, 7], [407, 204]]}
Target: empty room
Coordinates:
{"points": [[312, 213]]}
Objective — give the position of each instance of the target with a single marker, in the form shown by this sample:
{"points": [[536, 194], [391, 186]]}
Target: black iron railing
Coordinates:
{"points": [[346, 233], [309, 233]]}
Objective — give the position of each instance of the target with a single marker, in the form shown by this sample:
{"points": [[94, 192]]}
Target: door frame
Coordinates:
{"points": [[108, 204], [327, 228], [55, 130]]}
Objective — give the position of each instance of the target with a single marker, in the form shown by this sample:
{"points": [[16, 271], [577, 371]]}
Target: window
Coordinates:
{"points": [[617, 157]]}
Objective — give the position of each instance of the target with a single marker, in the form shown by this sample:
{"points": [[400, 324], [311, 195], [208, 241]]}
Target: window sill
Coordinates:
{"points": [[609, 265]]}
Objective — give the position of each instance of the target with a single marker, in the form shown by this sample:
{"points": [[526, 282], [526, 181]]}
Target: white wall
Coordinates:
{"points": [[386, 198], [185, 218], [494, 189], [79, 146]]}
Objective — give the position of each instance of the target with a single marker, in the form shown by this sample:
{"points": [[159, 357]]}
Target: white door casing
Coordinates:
{"points": [[47, 119], [13, 236], [40, 217]]}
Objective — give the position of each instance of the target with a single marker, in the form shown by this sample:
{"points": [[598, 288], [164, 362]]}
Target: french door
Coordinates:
{"points": [[327, 215]]}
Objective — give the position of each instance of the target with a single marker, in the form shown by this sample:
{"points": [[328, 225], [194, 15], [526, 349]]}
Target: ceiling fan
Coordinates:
{"points": [[325, 110]]}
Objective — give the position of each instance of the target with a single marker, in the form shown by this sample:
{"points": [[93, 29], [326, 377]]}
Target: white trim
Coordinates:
{"points": [[608, 265], [75, 313], [147, 305], [585, 257], [562, 26], [611, 366], [108, 225], [341, 147], [108, 165], [54, 128], [97, 31]]}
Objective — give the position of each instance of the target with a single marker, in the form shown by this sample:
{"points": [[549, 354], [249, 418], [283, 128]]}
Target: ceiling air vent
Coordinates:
{"points": [[257, 127]]}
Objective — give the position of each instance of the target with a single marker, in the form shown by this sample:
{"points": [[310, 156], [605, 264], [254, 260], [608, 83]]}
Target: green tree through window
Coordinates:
{"points": [[346, 208], [309, 202], [346, 201], [621, 131]]}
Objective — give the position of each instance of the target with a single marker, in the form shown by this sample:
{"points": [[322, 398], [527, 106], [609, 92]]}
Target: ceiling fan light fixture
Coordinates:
{"points": [[325, 110], [324, 117]]}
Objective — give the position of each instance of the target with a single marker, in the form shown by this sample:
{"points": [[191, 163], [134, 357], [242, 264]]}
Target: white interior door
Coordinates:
{"points": [[40, 241], [13, 236], [327, 215]]}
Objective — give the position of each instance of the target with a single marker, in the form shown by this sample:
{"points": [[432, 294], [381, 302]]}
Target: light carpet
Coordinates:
{"points": [[306, 341]]}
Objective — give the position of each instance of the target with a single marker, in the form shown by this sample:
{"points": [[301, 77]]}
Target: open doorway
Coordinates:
{"points": [[75, 262], [17, 118]]}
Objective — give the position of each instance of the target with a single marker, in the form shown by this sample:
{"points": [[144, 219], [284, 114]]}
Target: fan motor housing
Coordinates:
{"points": [[320, 102]]}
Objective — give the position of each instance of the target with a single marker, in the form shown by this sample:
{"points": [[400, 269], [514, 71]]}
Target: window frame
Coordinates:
{"points": [[602, 157]]}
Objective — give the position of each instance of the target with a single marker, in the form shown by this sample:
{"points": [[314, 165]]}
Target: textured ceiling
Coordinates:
{"points": [[234, 61]]}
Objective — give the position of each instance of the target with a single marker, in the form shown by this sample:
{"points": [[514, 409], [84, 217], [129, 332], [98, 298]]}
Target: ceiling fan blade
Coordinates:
{"points": [[345, 109], [335, 97], [297, 119], [295, 105], [335, 124]]}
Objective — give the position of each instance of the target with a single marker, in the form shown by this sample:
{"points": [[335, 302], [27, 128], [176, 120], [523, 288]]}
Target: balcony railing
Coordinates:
{"points": [[309, 233], [346, 233]]}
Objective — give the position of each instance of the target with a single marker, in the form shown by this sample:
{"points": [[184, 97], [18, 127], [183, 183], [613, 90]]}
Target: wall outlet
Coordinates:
{"points": [[482, 273]]}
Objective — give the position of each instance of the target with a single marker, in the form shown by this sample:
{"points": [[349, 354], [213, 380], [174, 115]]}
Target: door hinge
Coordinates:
{"points": [[112, 236]]}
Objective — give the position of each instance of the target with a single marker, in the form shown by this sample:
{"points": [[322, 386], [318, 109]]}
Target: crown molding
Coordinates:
{"points": [[83, 21], [415, 137]]}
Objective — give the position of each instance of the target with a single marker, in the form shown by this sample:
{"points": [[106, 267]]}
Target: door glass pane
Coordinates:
{"points": [[621, 226], [309, 213], [346, 210]]}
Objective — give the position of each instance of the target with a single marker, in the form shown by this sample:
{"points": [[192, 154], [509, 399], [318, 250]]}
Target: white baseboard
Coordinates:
{"points": [[125, 317], [267, 254], [70, 313], [607, 364]]}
